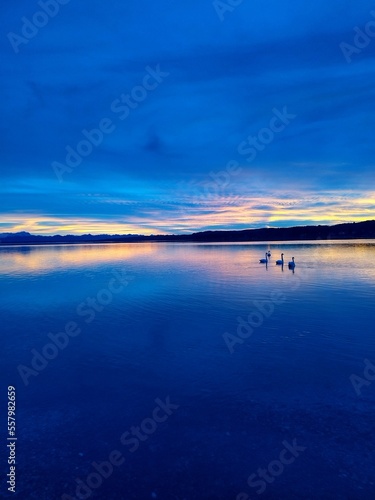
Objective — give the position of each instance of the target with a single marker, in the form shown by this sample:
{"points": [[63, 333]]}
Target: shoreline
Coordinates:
{"points": [[213, 242], [348, 231]]}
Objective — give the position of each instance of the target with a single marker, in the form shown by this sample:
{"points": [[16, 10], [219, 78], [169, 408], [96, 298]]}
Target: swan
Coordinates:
{"points": [[292, 264], [263, 261], [280, 262], [268, 254]]}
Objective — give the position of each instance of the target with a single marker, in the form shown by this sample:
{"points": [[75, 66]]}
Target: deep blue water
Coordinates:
{"points": [[166, 331]]}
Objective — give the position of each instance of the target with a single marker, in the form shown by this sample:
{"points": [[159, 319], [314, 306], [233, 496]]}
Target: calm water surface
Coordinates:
{"points": [[162, 320]]}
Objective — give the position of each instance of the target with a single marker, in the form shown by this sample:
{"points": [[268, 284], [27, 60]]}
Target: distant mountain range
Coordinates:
{"points": [[359, 230]]}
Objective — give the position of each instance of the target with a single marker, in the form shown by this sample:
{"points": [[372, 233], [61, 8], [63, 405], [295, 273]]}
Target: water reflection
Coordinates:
{"points": [[40, 259], [240, 261], [163, 335]]}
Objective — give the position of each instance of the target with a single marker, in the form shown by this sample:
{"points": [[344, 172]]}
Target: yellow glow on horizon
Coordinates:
{"points": [[46, 225], [72, 256], [216, 212]]}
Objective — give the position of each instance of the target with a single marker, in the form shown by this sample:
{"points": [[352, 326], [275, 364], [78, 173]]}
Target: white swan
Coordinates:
{"points": [[263, 261], [280, 262], [292, 264]]}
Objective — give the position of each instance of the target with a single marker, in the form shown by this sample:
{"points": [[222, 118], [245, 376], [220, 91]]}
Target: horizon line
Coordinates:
{"points": [[81, 235]]}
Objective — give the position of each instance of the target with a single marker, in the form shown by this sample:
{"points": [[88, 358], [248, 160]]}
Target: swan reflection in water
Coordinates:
{"points": [[292, 265], [264, 261], [280, 262]]}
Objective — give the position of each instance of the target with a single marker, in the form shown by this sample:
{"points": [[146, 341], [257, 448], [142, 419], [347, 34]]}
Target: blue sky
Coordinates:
{"points": [[160, 168]]}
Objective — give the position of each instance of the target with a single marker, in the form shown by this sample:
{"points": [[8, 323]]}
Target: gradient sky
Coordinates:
{"points": [[223, 77]]}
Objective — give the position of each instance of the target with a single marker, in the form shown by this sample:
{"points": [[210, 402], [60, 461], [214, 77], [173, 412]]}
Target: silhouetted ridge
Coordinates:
{"points": [[358, 230]]}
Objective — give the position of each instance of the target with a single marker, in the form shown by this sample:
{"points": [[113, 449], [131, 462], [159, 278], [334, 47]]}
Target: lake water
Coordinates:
{"points": [[243, 361]]}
